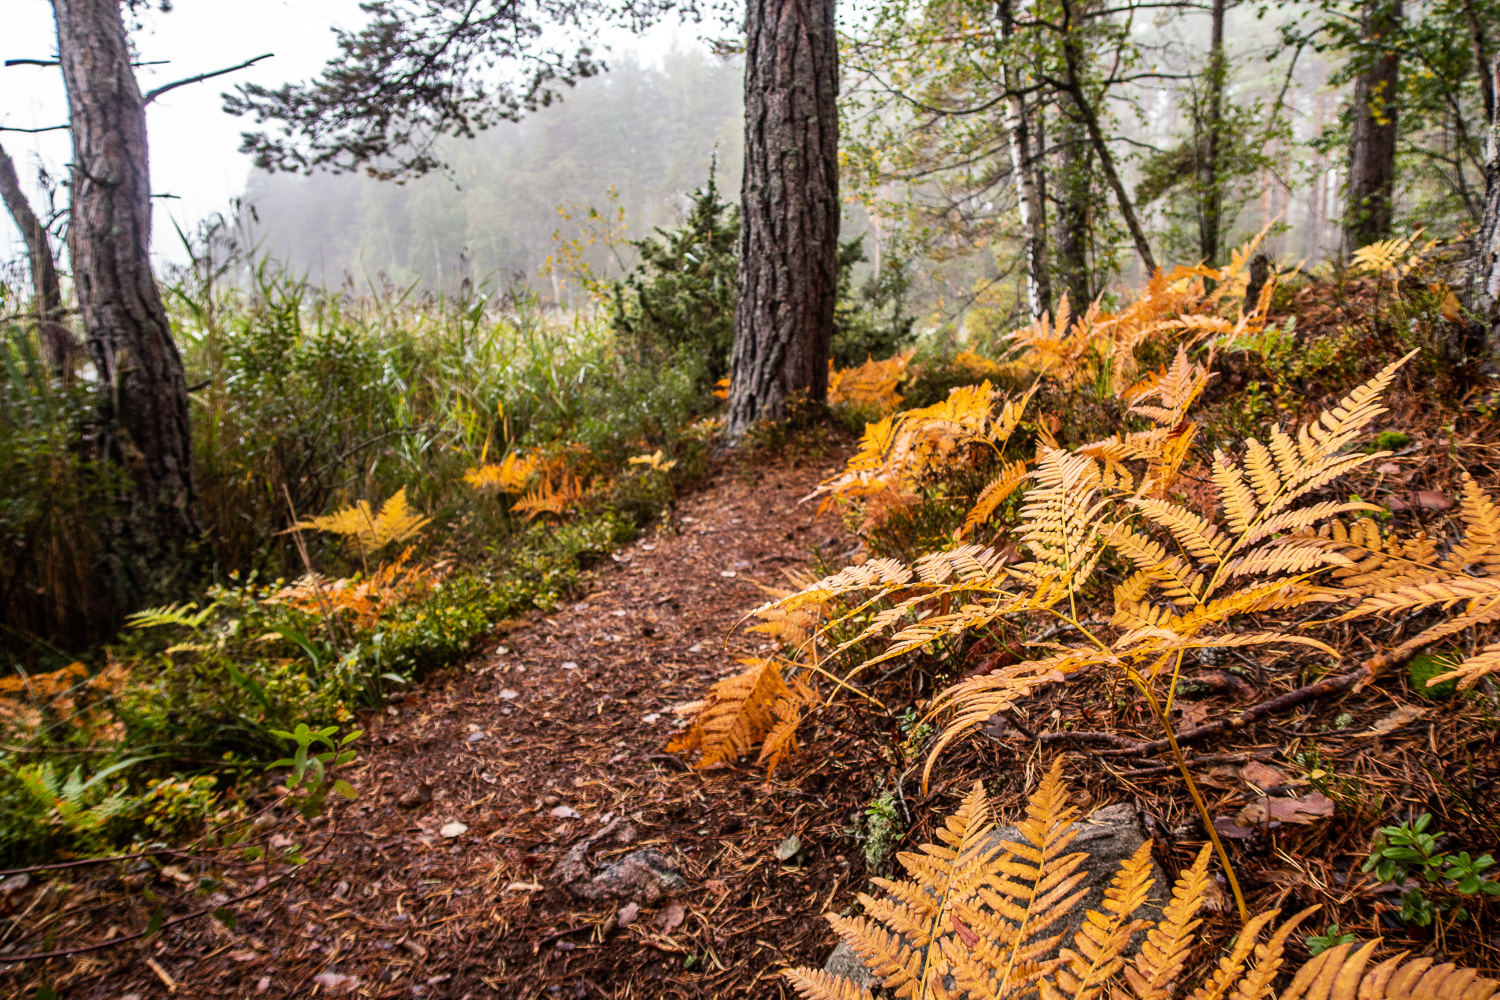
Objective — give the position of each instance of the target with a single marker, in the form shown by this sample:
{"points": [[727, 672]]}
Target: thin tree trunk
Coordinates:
{"points": [[57, 339], [1073, 59], [783, 322], [1484, 267], [145, 408], [1075, 198], [1480, 46], [1210, 218], [1028, 191], [1372, 141]]}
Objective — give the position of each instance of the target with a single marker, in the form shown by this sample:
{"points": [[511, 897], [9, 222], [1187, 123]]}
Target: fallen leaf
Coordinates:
{"points": [[651, 717], [717, 886], [627, 914], [1431, 500], [1397, 719], [671, 918], [1302, 811], [1194, 713], [509, 694], [788, 847], [726, 572], [335, 981], [454, 829], [565, 812], [1388, 469], [1227, 827], [524, 887], [244, 955], [1262, 776], [570, 665]]}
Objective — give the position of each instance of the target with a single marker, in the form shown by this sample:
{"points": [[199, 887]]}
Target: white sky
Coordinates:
{"points": [[193, 142]]}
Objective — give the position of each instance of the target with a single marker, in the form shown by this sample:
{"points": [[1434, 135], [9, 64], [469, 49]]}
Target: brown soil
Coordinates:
{"points": [[571, 709]]}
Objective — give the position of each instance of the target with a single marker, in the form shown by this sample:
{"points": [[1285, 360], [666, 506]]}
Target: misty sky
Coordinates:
{"points": [[193, 142]]}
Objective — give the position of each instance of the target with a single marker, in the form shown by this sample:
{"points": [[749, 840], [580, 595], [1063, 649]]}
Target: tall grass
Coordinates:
{"points": [[305, 399]]}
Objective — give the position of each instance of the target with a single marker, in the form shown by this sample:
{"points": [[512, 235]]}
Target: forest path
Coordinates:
{"points": [[444, 880]]}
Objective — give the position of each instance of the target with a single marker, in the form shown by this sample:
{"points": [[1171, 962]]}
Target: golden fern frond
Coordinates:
{"points": [[815, 984], [1006, 482], [1154, 971], [781, 742], [1333, 429], [1481, 517], [1256, 983], [1231, 966], [1061, 526], [739, 712], [1200, 537], [370, 531], [1099, 944], [1340, 972], [1468, 671], [548, 499]]}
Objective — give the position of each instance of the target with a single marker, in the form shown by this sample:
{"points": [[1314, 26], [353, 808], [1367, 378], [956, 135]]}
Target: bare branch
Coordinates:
{"points": [[152, 95]]}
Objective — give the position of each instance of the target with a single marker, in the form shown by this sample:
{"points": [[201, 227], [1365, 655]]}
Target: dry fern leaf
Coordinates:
{"points": [[815, 984], [549, 500], [1153, 972], [370, 531], [1006, 482], [745, 709]]}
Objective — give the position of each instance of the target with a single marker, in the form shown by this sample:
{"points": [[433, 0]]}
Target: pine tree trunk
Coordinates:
{"points": [[1372, 141], [1210, 218], [783, 323], [56, 338], [1074, 191], [1484, 268], [145, 408]]}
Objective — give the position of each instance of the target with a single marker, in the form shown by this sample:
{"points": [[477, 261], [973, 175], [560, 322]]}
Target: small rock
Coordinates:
{"points": [[670, 918], [454, 829], [643, 875], [474, 737], [550, 800], [566, 812], [509, 694], [627, 914], [569, 665], [726, 572], [14, 884], [651, 717], [845, 963], [263, 984]]}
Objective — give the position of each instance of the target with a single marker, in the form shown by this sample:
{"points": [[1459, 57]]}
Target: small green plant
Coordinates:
{"points": [[1408, 851], [1330, 938], [1421, 669], [310, 769], [879, 828]]}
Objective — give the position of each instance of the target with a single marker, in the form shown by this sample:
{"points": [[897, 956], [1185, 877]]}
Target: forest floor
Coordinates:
{"points": [[522, 831], [443, 879]]}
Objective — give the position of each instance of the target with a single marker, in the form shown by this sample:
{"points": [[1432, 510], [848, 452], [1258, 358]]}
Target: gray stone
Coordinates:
{"points": [[642, 876], [845, 963], [1108, 836]]}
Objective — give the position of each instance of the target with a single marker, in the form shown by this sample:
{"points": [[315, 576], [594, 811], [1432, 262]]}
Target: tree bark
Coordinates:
{"points": [[1372, 142], [1075, 196], [1073, 59], [1480, 45], [56, 338], [1210, 217], [1023, 166], [1484, 268], [783, 323], [145, 404]]}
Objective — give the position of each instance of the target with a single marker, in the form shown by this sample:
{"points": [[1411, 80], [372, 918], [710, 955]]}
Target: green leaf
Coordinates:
{"points": [[225, 916], [253, 854], [345, 789], [154, 924], [45, 993], [253, 686]]}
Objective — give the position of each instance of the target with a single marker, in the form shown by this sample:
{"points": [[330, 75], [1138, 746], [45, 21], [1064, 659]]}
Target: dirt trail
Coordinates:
{"points": [[443, 881]]}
